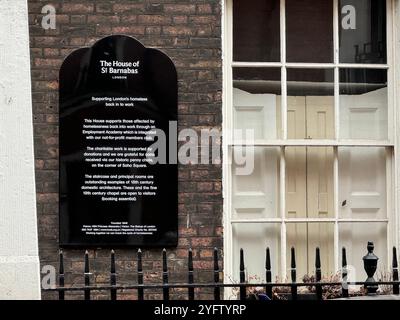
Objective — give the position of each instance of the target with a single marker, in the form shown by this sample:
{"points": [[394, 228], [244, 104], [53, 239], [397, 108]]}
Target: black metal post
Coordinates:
{"points": [[113, 277], [370, 266], [293, 274], [217, 291], [242, 276], [268, 274], [395, 272], [61, 276], [345, 290], [318, 287], [140, 274], [190, 275], [87, 276], [165, 275]]}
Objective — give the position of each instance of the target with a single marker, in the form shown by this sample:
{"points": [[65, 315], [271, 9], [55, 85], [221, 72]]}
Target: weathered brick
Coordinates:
{"points": [[201, 242], [78, 19], [153, 30], [180, 19], [79, 8], [102, 19], [178, 31], [180, 8], [188, 31], [47, 63], [104, 7], [154, 19], [131, 30], [128, 7], [77, 41], [204, 8]]}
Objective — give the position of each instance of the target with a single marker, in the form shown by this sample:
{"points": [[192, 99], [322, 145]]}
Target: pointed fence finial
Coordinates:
{"points": [[140, 274], [165, 275], [318, 274], [190, 274]]}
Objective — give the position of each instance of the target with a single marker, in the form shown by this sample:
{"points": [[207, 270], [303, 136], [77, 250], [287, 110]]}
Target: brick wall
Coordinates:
{"points": [[189, 32]]}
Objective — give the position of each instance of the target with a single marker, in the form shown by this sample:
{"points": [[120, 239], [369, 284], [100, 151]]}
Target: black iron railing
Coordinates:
{"points": [[370, 285]]}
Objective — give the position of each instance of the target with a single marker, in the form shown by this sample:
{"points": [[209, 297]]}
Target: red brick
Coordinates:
{"points": [[101, 19], [184, 232], [180, 19], [154, 19], [54, 63], [204, 8], [77, 8], [131, 30], [206, 253], [201, 242], [202, 264], [77, 41], [180, 8], [178, 31], [153, 30], [122, 7], [204, 186], [47, 197], [51, 52]]}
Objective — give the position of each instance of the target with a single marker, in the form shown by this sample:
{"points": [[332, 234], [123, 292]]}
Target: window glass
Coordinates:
{"points": [[256, 30], [254, 238], [363, 104], [255, 195], [362, 31], [305, 238], [309, 30], [257, 101], [362, 183], [310, 104]]}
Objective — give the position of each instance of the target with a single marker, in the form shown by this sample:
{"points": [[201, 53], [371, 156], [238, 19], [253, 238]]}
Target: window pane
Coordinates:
{"points": [[362, 182], [362, 28], [254, 238], [354, 237], [256, 30], [257, 101], [309, 182], [305, 238], [363, 104], [310, 104], [255, 195], [309, 30]]}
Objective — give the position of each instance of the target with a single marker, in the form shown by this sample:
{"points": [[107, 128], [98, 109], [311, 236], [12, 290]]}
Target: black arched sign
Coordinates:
{"points": [[115, 97]]}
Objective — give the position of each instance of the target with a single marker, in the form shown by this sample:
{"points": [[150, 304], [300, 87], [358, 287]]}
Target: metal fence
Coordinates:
{"points": [[370, 285]]}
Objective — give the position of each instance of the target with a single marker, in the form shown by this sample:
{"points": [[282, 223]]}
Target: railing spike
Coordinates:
{"points": [[396, 289], [317, 259], [318, 274], [165, 275], [268, 274], [242, 276], [113, 276], [217, 291], [87, 276], [190, 275], [293, 273], [140, 274], [61, 276], [345, 291]]}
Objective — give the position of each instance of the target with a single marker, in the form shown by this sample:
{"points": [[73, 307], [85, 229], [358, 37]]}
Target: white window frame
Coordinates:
{"points": [[391, 145]]}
